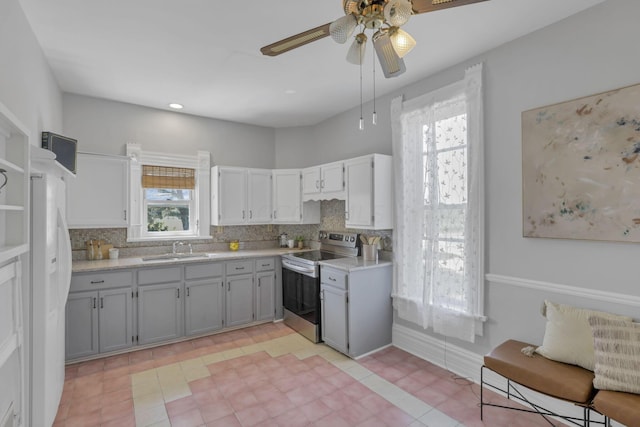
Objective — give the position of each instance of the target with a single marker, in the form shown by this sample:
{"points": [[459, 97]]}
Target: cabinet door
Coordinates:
{"points": [[259, 196], [98, 197], [359, 181], [265, 295], [311, 181], [332, 180], [239, 300], [81, 325], [286, 196], [232, 196], [334, 317], [204, 310], [115, 319], [159, 312]]}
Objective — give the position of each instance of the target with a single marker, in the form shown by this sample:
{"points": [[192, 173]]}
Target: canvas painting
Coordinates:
{"points": [[581, 168]]}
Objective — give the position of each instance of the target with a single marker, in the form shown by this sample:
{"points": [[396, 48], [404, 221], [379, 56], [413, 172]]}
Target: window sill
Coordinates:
{"points": [[168, 238]]}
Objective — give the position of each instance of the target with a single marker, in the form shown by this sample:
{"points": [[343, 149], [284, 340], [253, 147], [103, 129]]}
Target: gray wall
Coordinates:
{"points": [[29, 90], [103, 126], [588, 53]]}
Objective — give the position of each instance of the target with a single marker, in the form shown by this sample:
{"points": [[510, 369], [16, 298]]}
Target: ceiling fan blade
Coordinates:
{"points": [[298, 40], [424, 6]]}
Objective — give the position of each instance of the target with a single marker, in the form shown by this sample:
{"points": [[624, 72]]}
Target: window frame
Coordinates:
{"points": [[199, 211]]}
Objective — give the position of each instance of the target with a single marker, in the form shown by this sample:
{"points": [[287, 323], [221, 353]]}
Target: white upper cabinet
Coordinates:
{"points": [[369, 192], [98, 197], [288, 207], [323, 182], [240, 196]]}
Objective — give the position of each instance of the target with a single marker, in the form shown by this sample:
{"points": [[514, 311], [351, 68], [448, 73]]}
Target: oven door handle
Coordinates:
{"points": [[293, 267]]}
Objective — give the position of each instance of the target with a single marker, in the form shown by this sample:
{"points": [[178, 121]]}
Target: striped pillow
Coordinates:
{"points": [[617, 354]]}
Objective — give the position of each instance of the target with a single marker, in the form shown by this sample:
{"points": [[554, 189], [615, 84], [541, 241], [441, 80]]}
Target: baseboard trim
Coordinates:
{"points": [[556, 288], [467, 364]]}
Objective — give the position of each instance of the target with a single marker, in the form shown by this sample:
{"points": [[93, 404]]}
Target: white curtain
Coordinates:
{"points": [[438, 245]]}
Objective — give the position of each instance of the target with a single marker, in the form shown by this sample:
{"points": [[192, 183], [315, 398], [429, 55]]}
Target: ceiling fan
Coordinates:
{"points": [[384, 17]]}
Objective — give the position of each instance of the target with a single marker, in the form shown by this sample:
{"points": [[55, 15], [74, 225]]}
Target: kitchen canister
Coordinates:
{"points": [[370, 252], [114, 253]]}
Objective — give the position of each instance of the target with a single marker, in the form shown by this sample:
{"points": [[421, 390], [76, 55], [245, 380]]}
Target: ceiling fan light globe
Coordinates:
{"points": [[392, 65], [402, 41], [355, 55], [341, 29], [397, 12]]}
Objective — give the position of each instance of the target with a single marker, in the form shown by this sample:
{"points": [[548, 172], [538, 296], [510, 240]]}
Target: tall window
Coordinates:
{"points": [[438, 163], [169, 200]]}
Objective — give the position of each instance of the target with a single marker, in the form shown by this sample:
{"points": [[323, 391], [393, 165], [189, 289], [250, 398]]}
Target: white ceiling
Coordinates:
{"points": [[206, 54]]}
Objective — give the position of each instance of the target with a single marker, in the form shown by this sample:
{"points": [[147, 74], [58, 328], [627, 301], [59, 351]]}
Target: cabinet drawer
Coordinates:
{"points": [[200, 271], [265, 264], [239, 267], [160, 275], [334, 278], [100, 280]]}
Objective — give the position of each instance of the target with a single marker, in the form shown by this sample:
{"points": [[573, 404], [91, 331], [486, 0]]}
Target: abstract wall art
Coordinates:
{"points": [[581, 168]]}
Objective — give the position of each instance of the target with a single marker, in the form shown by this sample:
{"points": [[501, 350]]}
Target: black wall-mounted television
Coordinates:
{"points": [[63, 147]]}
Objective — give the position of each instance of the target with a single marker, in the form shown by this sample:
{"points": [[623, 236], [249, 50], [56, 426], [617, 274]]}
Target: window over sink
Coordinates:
{"points": [[169, 195]]}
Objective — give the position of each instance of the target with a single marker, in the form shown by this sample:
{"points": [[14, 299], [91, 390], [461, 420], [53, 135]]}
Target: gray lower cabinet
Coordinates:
{"points": [[239, 300], [81, 325], [98, 321], [204, 306], [115, 319], [356, 308], [265, 295], [159, 312], [334, 317]]}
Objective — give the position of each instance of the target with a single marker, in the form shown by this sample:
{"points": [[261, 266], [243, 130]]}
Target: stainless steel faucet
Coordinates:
{"points": [[180, 243]]}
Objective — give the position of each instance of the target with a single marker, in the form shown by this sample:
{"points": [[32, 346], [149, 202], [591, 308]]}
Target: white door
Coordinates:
{"points": [[311, 181], [359, 180], [232, 196], [259, 196], [286, 196]]}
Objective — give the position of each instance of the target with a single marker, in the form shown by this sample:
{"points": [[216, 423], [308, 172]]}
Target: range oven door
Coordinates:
{"points": [[301, 294]]}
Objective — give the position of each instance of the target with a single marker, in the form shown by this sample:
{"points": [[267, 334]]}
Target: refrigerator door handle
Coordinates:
{"points": [[64, 255]]}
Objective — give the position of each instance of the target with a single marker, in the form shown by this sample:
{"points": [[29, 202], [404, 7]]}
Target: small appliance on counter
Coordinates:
{"points": [[301, 281]]}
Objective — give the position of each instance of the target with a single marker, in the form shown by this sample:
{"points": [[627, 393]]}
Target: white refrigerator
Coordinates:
{"points": [[50, 281]]}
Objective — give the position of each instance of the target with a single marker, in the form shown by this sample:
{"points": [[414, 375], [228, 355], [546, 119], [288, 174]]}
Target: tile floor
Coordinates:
{"points": [[268, 375]]}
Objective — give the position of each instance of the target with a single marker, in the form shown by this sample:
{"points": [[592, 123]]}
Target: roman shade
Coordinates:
{"points": [[168, 177]]}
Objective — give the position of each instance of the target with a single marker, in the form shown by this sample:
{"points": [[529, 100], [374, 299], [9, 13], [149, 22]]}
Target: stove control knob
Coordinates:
{"points": [[352, 239]]}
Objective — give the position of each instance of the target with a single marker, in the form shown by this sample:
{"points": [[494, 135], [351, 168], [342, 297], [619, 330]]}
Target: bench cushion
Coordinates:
{"points": [[619, 406], [560, 380]]}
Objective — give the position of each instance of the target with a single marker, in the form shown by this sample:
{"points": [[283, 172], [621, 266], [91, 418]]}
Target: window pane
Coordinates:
{"points": [[159, 194], [451, 132], [167, 218], [452, 176]]}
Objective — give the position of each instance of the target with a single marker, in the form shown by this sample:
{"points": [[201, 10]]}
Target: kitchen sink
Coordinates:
{"points": [[172, 256]]}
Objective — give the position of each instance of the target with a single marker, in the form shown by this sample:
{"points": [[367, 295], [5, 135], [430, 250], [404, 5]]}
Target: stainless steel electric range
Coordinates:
{"points": [[301, 281]]}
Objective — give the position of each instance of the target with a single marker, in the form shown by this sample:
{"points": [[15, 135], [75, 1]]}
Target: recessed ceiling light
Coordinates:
{"points": [[290, 91], [176, 106]]}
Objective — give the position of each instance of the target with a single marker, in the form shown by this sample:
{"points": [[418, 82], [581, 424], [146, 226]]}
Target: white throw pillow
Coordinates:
{"points": [[617, 354], [568, 337]]}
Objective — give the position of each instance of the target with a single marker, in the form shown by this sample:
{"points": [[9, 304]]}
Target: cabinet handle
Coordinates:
{"points": [[274, 215], [250, 214], [93, 282], [178, 289], [259, 282], [266, 265], [322, 183], [101, 302], [229, 286], [332, 279], [188, 292], [239, 268], [94, 302], [125, 214], [317, 184]]}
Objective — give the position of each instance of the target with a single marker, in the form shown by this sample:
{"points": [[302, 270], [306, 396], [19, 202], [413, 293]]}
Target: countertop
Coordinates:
{"points": [[134, 262], [354, 263]]}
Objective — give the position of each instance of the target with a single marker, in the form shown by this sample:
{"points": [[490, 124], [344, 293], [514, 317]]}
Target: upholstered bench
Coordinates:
{"points": [[619, 406], [560, 380]]}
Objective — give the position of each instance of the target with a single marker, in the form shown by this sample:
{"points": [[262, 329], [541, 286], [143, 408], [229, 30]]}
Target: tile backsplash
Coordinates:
{"points": [[250, 236]]}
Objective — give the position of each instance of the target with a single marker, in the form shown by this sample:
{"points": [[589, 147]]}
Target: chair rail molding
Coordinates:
{"points": [[556, 288]]}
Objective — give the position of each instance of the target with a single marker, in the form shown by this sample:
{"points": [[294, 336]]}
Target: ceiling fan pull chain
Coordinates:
{"points": [[374, 118]]}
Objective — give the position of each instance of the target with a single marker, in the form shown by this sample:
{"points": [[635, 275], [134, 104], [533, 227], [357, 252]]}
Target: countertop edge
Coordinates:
{"points": [[355, 264], [82, 266]]}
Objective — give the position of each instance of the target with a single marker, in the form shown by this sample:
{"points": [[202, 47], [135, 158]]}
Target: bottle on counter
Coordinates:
{"points": [[90, 251], [98, 254]]}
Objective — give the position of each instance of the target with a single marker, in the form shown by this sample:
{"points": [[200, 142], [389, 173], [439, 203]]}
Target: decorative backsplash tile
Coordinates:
{"points": [[250, 236]]}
